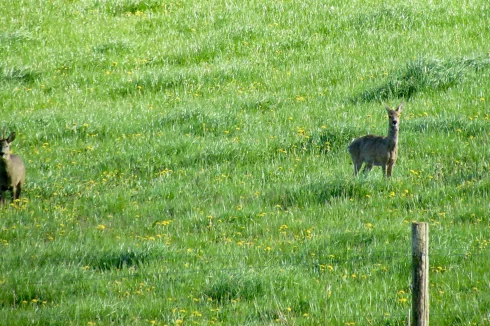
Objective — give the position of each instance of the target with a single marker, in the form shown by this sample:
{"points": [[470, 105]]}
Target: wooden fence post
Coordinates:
{"points": [[420, 274]]}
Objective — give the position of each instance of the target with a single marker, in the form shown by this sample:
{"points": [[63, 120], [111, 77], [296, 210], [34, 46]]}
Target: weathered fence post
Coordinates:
{"points": [[420, 274]]}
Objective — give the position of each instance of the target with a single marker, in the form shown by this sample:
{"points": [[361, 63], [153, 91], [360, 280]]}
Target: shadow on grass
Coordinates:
{"points": [[322, 192], [35, 294], [195, 122], [158, 81], [125, 7], [227, 288], [263, 104], [111, 47], [108, 260], [153, 83]]}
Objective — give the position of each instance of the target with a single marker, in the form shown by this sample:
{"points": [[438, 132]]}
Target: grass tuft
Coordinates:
{"points": [[12, 37], [108, 260], [111, 47], [327, 141], [389, 18], [121, 7], [421, 75], [19, 75], [229, 288], [152, 82]]}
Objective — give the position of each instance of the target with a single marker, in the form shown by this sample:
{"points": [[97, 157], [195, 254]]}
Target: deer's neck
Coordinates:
{"points": [[392, 138]]}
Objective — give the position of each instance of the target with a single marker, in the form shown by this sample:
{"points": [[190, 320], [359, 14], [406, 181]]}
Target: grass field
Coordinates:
{"points": [[187, 164]]}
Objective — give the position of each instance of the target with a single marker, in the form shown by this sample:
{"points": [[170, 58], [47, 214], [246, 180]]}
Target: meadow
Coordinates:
{"points": [[187, 163]]}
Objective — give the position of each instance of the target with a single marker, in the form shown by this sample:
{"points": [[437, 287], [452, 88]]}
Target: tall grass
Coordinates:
{"points": [[186, 161]]}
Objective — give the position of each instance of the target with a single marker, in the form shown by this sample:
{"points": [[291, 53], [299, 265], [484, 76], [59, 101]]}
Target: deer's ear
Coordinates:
{"points": [[400, 107], [11, 137]]}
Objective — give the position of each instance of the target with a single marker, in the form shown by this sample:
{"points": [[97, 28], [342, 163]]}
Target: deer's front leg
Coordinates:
{"points": [[390, 168]]}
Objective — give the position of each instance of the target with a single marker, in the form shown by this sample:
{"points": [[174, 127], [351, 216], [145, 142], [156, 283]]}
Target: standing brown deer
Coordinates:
{"points": [[378, 150], [12, 171]]}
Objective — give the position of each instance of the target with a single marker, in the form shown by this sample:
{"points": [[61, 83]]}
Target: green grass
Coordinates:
{"points": [[187, 164]]}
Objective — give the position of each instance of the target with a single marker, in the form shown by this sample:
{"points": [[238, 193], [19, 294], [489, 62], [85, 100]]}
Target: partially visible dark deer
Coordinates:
{"points": [[378, 150], [12, 171]]}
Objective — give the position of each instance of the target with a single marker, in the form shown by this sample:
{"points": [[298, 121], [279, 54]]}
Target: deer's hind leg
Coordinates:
{"points": [[367, 167], [357, 167], [16, 192], [357, 162], [3, 192], [383, 168]]}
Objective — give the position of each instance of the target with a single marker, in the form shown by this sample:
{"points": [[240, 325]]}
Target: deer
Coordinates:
{"points": [[12, 170], [378, 150]]}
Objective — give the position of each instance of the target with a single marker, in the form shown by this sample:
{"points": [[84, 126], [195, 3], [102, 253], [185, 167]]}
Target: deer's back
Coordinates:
{"points": [[366, 143]]}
